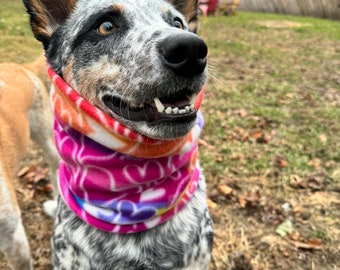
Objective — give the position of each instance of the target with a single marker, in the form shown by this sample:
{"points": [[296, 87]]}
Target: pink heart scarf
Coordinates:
{"points": [[114, 178]]}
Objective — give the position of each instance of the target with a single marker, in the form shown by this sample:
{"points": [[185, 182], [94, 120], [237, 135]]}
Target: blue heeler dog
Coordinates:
{"points": [[141, 63]]}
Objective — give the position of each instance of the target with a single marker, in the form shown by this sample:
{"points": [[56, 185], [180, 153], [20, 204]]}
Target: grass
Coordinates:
{"points": [[17, 43], [273, 94], [282, 63], [272, 110]]}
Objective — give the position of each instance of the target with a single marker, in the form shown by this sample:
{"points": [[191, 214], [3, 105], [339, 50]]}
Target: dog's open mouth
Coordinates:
{"points": [[177, 107]]}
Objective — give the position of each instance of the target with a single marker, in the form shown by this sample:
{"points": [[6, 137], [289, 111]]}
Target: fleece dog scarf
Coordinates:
{"points": [[114, 178]]}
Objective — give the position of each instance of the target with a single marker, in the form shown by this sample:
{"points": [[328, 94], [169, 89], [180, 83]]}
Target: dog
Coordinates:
{"points": [[24, 111], [229, 7], [127, 83]]}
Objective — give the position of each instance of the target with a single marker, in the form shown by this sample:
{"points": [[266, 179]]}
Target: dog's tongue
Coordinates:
{"points": [[199, 98]]}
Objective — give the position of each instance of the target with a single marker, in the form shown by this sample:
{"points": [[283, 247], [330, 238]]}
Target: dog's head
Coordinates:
{"points": [[140, 61]]}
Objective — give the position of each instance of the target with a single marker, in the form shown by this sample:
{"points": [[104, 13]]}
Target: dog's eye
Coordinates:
{"points": [[178, 23], [106, 28]]}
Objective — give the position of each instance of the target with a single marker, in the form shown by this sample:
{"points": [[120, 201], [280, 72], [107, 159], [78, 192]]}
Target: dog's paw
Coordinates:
{"points": [[50, 208]]}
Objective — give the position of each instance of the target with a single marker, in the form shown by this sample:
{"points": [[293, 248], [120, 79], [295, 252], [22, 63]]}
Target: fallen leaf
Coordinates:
{"points": [[46, 188], [315, 241], [294, 235], [295, 180], [257, 134], [316, 163], [260, 136], [250, 199], [310, 245], [40, 174], [211, 204], [286, 253], [219, 159], [23, 171], [225, 190], [285, 228], [33, 173], [204, 143], [323, 138], [313, 182], [280, 162]]}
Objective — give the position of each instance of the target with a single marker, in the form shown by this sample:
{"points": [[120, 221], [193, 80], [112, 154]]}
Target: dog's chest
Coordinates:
{"points": [[183, 242]]}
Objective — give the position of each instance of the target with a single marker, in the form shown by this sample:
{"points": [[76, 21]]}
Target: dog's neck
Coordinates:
{"points": [[114, 178]]}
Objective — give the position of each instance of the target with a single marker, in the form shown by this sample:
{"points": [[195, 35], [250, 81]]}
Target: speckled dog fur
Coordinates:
{"points": [[124, 63]]}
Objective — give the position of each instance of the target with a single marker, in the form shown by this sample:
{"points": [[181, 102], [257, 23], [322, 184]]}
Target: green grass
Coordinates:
{"points": [[274, 73], [16, 43]]}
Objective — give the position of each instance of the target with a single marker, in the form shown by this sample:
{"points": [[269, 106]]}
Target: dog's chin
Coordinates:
{"points": [[161, 130]]}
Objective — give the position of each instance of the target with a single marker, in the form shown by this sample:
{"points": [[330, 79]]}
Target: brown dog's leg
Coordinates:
{"points": [[14, 243], [41, 129]]}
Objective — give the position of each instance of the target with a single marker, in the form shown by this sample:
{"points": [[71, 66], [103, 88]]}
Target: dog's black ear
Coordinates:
{"points": [[46, 16], [189, 8]]}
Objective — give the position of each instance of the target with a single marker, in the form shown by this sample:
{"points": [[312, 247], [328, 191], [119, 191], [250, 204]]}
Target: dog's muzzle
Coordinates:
{"points": [[184, 54]]}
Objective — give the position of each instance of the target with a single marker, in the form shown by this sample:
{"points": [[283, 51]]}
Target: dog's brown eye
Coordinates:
{"points": [[178, 23], [106, 28]]}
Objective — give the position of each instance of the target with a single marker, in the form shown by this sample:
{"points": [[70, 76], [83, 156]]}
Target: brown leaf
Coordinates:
{"points": [[45, 188], [219, 159], [315, 241], [33, 173], [260, 136], [250, 199], [40, 174], [257, 134], [211, 204], [204, 143], [294, 235], [286, 253], [310, 245], [225, 190], [280, 162], [295, 180], [313, 182], [23, 171]]}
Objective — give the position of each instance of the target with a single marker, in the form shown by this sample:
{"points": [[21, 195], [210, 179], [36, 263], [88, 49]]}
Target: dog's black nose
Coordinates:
{"points": [[184, 53]]}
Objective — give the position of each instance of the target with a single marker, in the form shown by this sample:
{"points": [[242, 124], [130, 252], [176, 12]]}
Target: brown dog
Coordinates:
{"points": [[24, 113], [228, 6]]}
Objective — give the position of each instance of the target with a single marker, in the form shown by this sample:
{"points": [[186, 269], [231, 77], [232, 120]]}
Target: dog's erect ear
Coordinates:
{"points": [[46, 16], [189, 9]]}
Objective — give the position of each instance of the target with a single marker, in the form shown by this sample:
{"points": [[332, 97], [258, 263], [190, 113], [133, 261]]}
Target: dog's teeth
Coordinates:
{"points": [[168, 110], [176, 110], [193, 98], [159, 105]]}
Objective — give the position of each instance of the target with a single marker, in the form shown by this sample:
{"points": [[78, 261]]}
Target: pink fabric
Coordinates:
{"points": [[112, 189]]}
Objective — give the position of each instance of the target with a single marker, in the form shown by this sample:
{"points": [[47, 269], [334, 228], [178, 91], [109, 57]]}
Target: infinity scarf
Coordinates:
{"points": [[114, 178]]}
